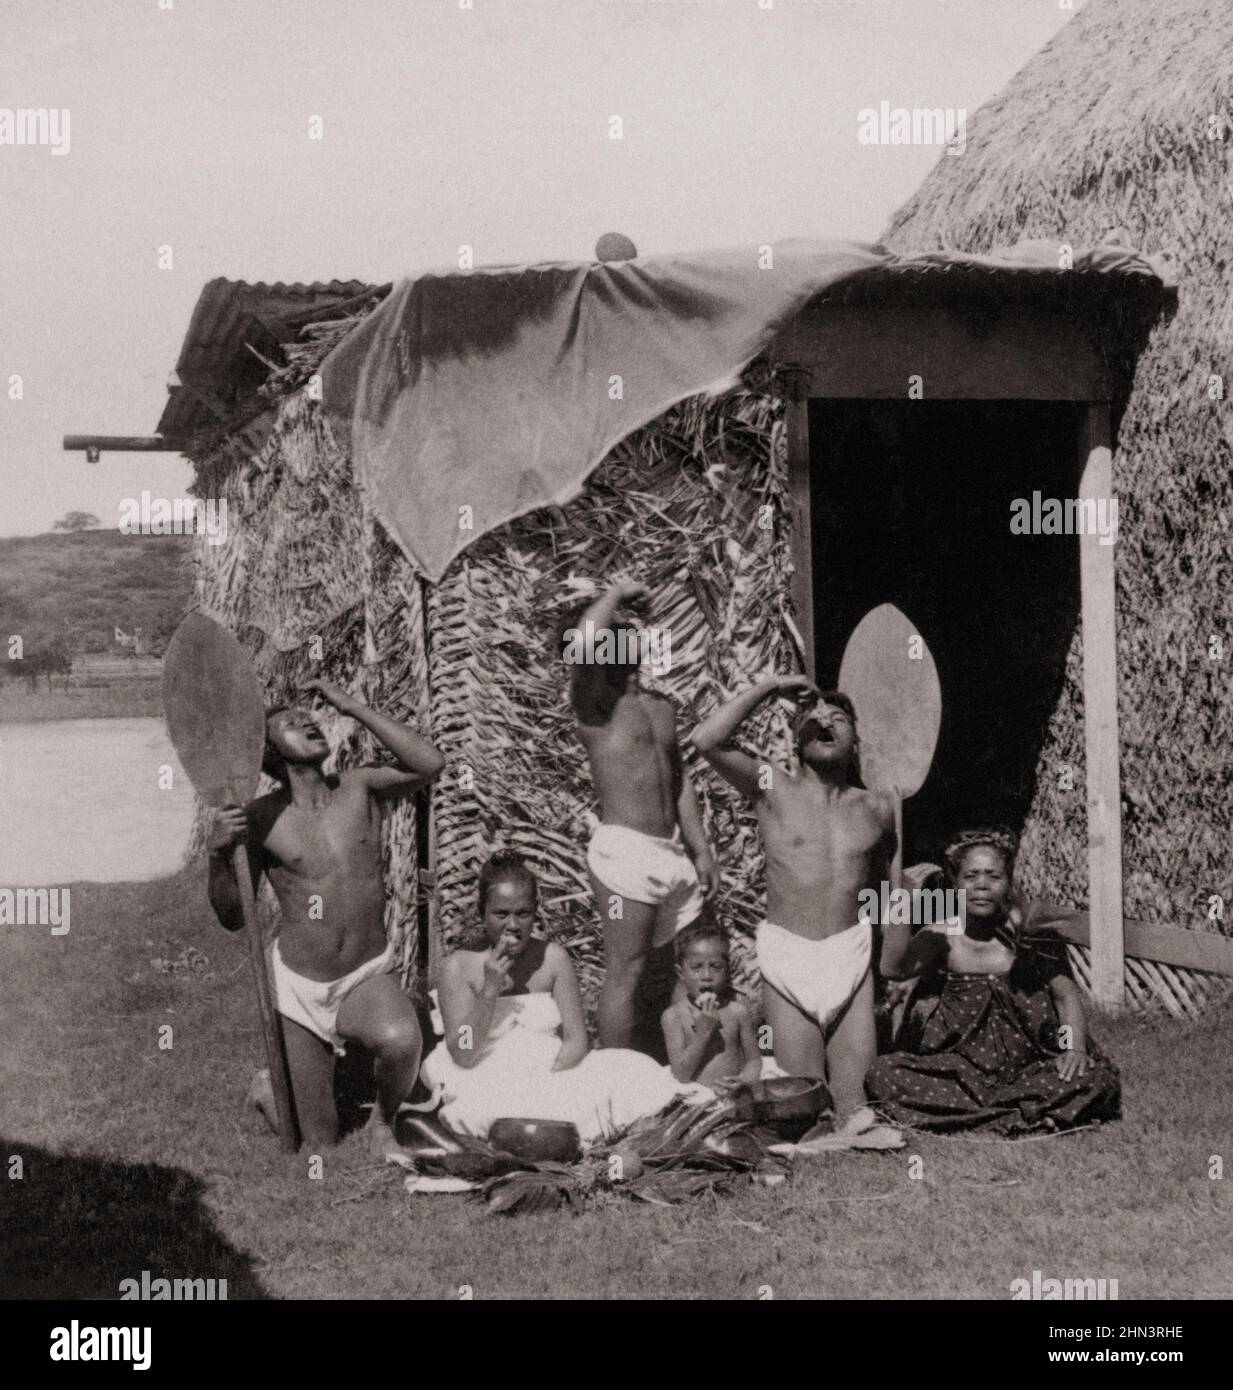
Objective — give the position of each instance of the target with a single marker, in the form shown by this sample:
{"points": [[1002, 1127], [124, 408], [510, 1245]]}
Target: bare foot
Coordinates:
{"points": [[261, 1097], [381, 1138], [855, 1121]]}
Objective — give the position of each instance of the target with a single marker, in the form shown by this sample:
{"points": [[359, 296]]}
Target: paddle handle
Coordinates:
{"points": [[271, 1032], [897, 861]]}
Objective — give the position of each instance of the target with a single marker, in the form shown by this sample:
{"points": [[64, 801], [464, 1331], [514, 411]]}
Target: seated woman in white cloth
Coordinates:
{"points": [[515, 1041]]}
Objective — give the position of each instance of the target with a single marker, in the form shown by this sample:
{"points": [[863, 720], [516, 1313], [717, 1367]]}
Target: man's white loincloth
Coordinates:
{"points": [[314, 1004], [647, 869], [819, 977]]}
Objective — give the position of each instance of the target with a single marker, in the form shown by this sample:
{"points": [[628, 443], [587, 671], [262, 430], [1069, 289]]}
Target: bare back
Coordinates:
{"points": [[324, 864], [635, 762], [822, 849]]}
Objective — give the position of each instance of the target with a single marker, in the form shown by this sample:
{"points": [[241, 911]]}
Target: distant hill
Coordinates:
{"points": [[85, 584]]}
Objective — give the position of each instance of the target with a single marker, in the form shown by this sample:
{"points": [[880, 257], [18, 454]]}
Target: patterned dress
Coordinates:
{"points": [[985, 1057]]}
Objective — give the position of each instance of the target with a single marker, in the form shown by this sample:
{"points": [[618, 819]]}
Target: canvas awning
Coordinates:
{"points": [[473, 398]]}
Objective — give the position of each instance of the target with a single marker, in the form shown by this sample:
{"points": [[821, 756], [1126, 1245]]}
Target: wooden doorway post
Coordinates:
{"points": [[1104, 783], [796, 427]]}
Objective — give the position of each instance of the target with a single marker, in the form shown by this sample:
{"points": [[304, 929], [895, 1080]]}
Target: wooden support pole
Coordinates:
{"points": [[431, 965], [796, 425], [271, 1024], [1104, 783], [897, 859]]}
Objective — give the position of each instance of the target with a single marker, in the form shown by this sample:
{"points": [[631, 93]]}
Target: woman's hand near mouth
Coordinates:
{"points": [[497, 967]]}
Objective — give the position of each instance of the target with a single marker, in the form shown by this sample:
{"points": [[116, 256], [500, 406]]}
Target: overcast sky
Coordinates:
{"points": [[442, 125]]}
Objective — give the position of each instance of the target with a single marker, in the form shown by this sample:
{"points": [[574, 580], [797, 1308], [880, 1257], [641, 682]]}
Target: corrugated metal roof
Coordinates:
{"points": [[215, 368]]}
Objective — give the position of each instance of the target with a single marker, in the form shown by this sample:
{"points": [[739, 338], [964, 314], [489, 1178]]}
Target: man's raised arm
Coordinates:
{"points": [[419, 761], [589, 692], [712, 735]]}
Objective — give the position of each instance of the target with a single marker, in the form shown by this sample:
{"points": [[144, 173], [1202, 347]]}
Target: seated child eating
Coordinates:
{"points": [[708, 1031]]}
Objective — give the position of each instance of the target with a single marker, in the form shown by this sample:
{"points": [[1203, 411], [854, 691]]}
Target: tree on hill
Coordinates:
{"points": [[47, 657], [58, 660], [77, 521]]}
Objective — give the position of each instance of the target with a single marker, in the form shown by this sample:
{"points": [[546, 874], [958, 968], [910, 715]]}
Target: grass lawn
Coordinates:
{"points": [[139, 1158]]}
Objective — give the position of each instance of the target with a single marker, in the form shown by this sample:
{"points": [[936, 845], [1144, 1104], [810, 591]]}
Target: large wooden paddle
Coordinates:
{"points": [[216, 718], [889, 674]]}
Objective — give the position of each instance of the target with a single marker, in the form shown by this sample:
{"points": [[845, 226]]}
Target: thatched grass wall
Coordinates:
{"points": [[680, 505], [1124, 125], [694, 506]]}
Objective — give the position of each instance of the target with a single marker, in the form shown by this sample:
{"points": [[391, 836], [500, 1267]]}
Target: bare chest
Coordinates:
{"points": [[797, 823], [632, 729], [317, 842], [729, 1024]]}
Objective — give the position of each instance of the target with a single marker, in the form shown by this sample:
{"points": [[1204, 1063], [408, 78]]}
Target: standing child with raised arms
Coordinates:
{"points": [[651, 867]]}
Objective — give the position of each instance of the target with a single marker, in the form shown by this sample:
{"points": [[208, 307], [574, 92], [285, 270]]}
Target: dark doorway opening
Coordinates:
{"points": [[911, 505]]}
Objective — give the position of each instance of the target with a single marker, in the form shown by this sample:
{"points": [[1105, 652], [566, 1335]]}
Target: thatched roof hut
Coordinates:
{"points": [[708, 485], [1122, 128]]}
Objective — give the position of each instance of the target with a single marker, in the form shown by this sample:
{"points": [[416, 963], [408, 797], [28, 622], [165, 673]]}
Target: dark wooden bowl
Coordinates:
{"points": [[556, 1141], [786, 1104]]}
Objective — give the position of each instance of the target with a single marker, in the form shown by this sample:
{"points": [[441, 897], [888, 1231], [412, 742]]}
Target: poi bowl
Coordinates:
{"points": [[556, 1141], [785, 1103]]}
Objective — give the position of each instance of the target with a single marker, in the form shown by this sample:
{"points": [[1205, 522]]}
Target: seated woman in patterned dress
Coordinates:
{"points": [[1006, 1048]]}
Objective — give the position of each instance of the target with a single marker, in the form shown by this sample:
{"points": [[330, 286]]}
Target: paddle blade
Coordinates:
{"points": [[214, 710], [889, 674]]}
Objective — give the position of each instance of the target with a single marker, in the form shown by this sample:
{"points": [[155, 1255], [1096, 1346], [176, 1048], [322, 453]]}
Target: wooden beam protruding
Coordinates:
{"points": [[122, 443]]}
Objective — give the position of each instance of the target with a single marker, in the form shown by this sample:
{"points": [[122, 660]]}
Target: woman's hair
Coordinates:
{"points": [[506, 866], [997, 838], [272, 762]]}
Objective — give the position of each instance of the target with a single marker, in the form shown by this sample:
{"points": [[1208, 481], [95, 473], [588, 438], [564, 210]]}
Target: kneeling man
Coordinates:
{"points": [[318, 840], [826, 838]]}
